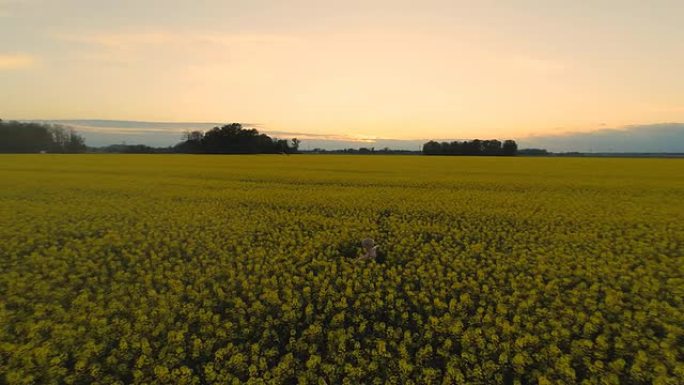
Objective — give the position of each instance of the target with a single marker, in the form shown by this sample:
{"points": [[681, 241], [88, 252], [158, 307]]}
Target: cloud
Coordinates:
{"points": [[16, 61], [104, 132], [330, 137], [662, 137], [125, 127], [129, 40], [138, 127]]}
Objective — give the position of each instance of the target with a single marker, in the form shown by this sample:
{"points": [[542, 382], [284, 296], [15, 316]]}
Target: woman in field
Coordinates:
{"points": [[370, 249]]}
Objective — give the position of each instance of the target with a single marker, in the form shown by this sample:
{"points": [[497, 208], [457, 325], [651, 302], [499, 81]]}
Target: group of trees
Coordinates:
{"points": [[534, 152], [365, 151], [131, 149], [20, 137], [234, 139], [473, 147]]}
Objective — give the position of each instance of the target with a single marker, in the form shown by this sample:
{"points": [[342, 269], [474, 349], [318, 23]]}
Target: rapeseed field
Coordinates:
{"points": [[161, 269]]}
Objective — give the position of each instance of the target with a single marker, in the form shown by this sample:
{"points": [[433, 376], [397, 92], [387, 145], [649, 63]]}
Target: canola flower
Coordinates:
{"points": [[143, 269]]}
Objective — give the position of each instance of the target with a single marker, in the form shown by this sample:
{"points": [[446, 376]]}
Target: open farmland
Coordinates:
{"points": [[233, 269]]}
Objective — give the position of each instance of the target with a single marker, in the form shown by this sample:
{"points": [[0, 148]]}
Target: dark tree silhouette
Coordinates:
{"points": [[432, 148], [491, 147], [130, 149], [533, 152], [19, 137], [295, 144], [233, 139], [510, 147]]}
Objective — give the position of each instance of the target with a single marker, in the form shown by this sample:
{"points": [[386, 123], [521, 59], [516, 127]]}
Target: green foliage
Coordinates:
{"points": [[118, 269]]}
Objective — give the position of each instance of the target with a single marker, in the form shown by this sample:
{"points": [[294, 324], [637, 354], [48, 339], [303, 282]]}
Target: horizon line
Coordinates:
{"points": [[340, 137]]}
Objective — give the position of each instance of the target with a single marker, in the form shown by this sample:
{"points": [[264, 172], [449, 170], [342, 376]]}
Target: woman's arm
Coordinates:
{"points": [[370, 254]]}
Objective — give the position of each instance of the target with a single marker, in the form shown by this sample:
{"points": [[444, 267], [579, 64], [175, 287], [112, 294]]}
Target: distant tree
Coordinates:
{"points": [[282, 146], [295, 144], [20, 137], [232, 139], [432, 148], [191, 142], [490, 147], [195, 136], [533, 152], [510, 147], [455, 147], [75, 143], [475, 147], [130, 149]]}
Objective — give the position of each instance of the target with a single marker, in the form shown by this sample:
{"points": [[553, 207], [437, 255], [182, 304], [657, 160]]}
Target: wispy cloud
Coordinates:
{"points": [[16, 61], [130, 127], [305, 136], [144, 38], [660, 137], [124, 127]]}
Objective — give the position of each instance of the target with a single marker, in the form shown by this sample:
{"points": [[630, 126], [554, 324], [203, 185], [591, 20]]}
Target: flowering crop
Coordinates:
{"points": [[238, 269]]}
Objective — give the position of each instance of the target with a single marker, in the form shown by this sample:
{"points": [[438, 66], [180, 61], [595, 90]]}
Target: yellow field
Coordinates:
{"points": [[232, 269]]}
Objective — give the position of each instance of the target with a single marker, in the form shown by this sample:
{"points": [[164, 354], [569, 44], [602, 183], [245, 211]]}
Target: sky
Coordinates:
{"points": [[348, 69]]}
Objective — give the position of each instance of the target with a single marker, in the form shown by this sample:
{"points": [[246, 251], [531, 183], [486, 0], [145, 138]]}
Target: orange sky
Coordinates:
{"points": [[391, 69]]}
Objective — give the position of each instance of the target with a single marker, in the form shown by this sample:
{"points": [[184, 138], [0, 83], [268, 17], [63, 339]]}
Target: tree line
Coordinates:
{"points": [[20, 137], [364, 151], [131, 149], [234, 139], [491, 147]]}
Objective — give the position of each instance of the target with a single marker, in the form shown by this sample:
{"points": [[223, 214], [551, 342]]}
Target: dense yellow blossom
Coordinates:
{"points": [[154, 269]]}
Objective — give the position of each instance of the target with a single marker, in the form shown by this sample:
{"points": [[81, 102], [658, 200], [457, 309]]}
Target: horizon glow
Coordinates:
{"points": [[362, 69]]}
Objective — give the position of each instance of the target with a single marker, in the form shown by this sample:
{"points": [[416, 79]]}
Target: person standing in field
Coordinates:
{"points": [[370, 249]]}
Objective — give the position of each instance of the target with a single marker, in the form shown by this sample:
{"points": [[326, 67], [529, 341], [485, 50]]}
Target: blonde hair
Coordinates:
{"points": [[367, 243]]}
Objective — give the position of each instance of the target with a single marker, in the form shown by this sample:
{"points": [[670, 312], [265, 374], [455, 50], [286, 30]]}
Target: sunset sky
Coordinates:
{"points": [[363, 69]]}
